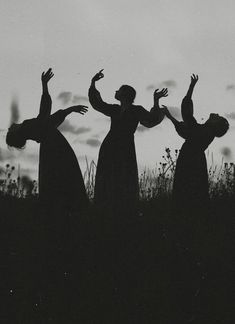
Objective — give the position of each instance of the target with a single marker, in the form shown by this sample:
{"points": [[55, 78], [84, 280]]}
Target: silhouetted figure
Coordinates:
{"points": [[190, 188], [191, 221], [60, 179], [116, 187], [62, 194]]}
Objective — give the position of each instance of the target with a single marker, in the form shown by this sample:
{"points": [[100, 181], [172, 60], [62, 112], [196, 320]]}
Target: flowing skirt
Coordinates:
{"points": [[191, 196], [116, 186], [60, 178], [190, 188]]}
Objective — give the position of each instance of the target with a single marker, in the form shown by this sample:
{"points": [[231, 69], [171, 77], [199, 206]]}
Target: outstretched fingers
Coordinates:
{"points": [[162, 93], [49, 73], [98, 75], [80, 109], [194, 78], [83, 109], [46, 76]]}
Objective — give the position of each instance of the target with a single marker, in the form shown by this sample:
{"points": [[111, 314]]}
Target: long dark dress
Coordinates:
{"points": [[60, 178], [190, 203], [116, 185], [190, 187], [63, 196]]}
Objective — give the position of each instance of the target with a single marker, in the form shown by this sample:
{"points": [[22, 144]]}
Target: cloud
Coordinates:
{"points": [[100, 134], [77, 99], [226, 152], [169, 84], [230, 115], [93, 142], [15, 157], [164, 84], [67, 127], [68, 96], [15, 113], [151, 87], [230, 87], [65, 97], [95, 137]]}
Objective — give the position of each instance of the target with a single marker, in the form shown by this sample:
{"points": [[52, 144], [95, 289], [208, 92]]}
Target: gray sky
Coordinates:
{"points": [[146, 44]]}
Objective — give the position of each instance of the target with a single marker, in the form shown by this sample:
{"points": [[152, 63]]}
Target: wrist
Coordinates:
{"points": [[44, 86], [70, 110], [156, 102]]}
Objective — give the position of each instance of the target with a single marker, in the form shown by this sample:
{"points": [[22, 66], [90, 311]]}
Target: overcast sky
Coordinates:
{"points": [[147, 44]]}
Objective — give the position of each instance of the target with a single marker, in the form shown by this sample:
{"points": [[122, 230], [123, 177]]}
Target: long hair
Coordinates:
{"points": [[221, 127], [14, 137]]}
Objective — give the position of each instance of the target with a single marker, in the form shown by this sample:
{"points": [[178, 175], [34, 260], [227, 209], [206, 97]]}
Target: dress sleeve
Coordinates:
{"points": [[45, 106], [183, 130], [98, 104], [57, 118], [187, 111], [150, 118]]}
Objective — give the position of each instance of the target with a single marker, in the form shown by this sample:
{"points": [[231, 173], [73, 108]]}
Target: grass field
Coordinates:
{"points": [[92, 268]]}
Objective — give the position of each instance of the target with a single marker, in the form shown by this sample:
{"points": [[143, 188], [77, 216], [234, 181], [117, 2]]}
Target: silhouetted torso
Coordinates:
{"points": [[60, 178], [116, 186]]}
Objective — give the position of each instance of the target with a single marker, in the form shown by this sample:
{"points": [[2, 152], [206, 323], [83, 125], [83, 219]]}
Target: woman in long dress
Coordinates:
{"points": [[116, 186], [190, 187], [62, 195], [60, 179]]}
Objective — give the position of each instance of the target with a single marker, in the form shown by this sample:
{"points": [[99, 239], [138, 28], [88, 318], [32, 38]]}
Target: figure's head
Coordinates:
{"points": [[218, 124], [15, 137], [125, 93]]}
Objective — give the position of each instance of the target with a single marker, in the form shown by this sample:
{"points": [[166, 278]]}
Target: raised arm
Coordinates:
{"points": [[95, 98], [187, 103], [170, 117], [45, 104], [180, 127], [59, 116], [156, 114]]}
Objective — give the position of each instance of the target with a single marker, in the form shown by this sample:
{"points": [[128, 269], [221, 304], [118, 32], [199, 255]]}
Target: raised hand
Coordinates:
{"points": [[159, 94], [98, 76], [79, 109], [194, 79], [46, 76]]}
